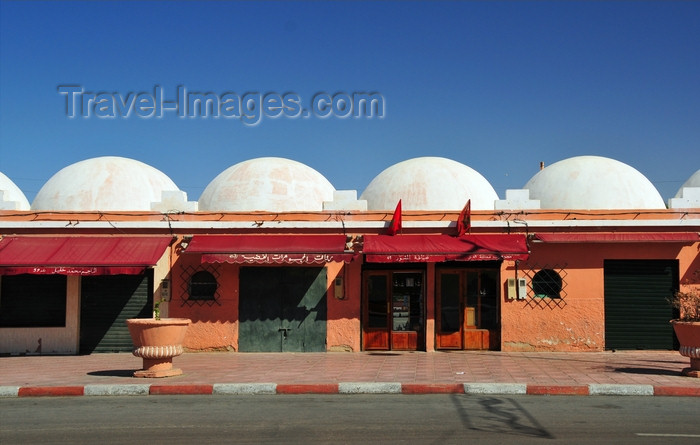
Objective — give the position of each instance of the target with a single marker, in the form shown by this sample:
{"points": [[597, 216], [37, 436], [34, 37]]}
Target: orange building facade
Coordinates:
{"points": [[552, 297], [523, 279]]}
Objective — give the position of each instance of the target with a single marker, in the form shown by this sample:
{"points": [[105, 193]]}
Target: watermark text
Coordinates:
{"points": [[250, 108]]}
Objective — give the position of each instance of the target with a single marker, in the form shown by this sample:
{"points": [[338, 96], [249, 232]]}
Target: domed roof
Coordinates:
{"points": [[429, 183], [12, 193], [693, 181], [103, 183], [593, 183], [267, 184]]}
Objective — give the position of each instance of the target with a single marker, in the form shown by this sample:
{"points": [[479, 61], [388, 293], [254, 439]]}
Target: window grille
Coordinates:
{"points": [[200, 285], [546, 285]]}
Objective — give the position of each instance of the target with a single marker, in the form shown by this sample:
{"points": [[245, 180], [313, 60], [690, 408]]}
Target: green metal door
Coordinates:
{"points": [[106, 302], [259, 311], [637, 313], [282, 309]]}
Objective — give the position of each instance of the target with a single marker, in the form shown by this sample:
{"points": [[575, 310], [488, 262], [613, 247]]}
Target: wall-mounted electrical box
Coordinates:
{"points": [[165, 290], [512, 291], [339, 288], [522, 289]]}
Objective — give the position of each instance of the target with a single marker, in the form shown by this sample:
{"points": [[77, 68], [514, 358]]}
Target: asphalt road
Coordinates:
{"points": [[351, 419]]}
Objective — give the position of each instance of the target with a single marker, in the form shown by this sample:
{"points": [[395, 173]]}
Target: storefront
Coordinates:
{"points": [[275, 287], [438, 291], [70, 294]]}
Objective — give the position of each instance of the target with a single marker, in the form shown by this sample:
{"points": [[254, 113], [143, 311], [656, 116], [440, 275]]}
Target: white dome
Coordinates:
{"points": [[429, 183], [12, 193], [593, 183], [267, 184], [105, 183], [693, 181]]}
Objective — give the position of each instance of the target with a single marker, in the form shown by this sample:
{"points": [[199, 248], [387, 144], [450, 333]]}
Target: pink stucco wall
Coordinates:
{"points": [[578, 322], [343, 328], [215, 326]]}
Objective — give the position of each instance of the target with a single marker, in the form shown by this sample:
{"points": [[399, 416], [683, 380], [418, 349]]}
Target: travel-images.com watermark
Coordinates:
{"points": [[249, 108]]}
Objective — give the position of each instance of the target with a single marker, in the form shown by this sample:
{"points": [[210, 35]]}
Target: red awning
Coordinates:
{"points": [[270, 249], [619, 237], [435, 248], [80, 255]]}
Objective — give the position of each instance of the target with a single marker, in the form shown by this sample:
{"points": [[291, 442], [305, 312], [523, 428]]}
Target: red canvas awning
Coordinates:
{"points": [[80, 255], [436, 248], [270, 249], [619, 237]]}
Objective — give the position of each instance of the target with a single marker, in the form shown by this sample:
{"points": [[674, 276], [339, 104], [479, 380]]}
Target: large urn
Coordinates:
{"points": [[688, 333], [157, 341]]}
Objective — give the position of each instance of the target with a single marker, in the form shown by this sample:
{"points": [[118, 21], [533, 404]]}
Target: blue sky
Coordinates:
{"points": [[498, 86]]}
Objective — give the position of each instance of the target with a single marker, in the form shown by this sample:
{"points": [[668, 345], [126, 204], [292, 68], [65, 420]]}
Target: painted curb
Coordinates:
{"points": [[324, 388], [558, 390], [495, 388], [244, 388], [682, 391], [349, 388], [117, 390], [369, 388], [432, 388], [605, 389], [9, 391], [180, 390], [50, 391]]}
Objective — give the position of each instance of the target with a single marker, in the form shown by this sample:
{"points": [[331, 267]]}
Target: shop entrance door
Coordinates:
{"points": [[393, 311], [467, 309], [282, 309]]}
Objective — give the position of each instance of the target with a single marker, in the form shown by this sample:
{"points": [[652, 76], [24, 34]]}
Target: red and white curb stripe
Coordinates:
{"points": [[349, 388]]}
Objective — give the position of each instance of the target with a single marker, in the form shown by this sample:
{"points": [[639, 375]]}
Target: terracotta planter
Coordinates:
{"points": [[157, 342], [688, 333]]}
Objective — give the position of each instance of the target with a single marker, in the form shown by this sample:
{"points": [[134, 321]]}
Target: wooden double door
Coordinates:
{"points": [[393, 310], [467, 309]]}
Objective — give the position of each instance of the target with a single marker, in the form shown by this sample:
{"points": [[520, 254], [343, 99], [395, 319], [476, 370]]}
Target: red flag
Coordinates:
{"points": [[395, 225], [464, 223]]}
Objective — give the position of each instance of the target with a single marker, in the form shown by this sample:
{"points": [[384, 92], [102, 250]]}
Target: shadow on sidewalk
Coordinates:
{"points": [[648, 371]]}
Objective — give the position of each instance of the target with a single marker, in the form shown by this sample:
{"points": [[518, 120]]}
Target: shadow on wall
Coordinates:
{"points": [[691, 276]]}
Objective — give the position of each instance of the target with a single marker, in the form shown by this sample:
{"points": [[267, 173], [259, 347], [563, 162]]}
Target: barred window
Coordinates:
{"points": [[202, 286], [547, 283]]}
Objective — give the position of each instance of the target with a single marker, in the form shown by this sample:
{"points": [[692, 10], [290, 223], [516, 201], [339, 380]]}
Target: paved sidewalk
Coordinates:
{"points": [[582, 373]]}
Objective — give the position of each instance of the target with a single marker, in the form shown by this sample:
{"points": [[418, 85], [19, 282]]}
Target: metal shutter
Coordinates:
{"points": [[106, 302], [637, 313]]}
